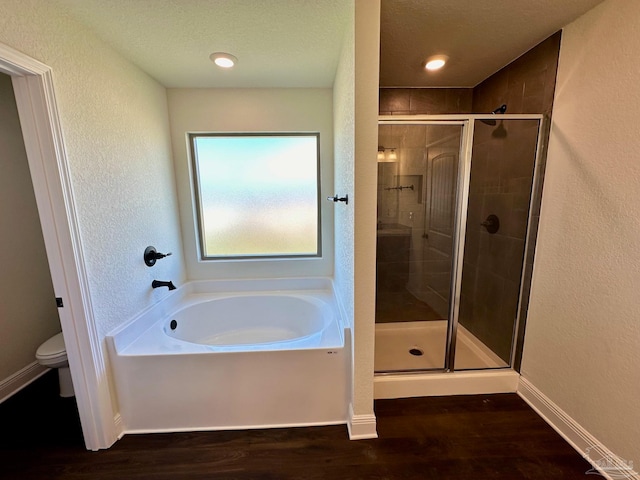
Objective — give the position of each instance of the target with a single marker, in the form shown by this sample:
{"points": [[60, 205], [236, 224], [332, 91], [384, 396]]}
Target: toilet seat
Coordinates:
{"points": [[52, 351]]}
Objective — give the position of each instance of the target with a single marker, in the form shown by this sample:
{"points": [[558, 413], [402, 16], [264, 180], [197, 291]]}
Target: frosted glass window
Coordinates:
{"points": [[257, 195]]}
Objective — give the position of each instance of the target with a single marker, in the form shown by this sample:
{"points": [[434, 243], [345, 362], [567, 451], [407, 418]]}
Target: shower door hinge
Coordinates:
{"points": [[59, 302]]}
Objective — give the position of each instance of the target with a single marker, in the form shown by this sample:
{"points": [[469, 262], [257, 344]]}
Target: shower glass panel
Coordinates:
{"points": [[418, 166], [502, 174]]}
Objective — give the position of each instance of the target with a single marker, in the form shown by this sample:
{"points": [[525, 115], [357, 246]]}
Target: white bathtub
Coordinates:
{"points": [[249, 322], [233, 354]]}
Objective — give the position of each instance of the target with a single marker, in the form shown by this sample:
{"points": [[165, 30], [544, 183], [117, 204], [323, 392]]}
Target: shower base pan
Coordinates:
{"points": [[421, 346], [400, 373]]}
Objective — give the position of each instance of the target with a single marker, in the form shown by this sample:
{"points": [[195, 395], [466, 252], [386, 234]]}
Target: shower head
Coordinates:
{"points": [[501, 109]]}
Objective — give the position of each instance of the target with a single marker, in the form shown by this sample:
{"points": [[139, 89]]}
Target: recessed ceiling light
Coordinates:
{"points": [[224, 60], [436, 62]]}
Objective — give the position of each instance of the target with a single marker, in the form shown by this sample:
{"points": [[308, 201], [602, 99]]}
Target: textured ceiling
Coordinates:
{"points": [[479, 36], [297, 43], [279, 43]]}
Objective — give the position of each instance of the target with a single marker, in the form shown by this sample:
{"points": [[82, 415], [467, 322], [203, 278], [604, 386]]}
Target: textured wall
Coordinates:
{"points": [[582, 346], [366, 67], [247, 110], [344, 137], [28, 313], [115, 125]]}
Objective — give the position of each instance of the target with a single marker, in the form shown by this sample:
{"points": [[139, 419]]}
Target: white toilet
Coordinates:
{"points": [[53, 354]]}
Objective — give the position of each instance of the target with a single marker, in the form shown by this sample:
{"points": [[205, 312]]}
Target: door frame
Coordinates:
{"points": [[42, 134]]}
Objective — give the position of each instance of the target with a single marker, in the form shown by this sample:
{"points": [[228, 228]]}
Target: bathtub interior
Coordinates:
{"points": [[249, 321], [165, 383]]}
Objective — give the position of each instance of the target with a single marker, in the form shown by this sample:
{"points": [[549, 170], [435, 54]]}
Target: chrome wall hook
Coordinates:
{"points": [[335, 199]]}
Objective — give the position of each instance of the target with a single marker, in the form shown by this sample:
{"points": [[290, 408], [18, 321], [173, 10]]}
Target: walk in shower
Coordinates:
{"points": [[454, 201]]}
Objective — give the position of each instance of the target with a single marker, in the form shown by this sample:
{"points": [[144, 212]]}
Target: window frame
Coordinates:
{"points": [[197, 197]]}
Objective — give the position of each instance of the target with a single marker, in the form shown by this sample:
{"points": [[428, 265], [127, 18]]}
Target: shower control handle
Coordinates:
{"points": [[151, 255], [492, 224]]}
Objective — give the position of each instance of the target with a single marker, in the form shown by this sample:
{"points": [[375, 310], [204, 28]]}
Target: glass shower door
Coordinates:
{"points": [[501, 182], [453, 226], [418, 166]]}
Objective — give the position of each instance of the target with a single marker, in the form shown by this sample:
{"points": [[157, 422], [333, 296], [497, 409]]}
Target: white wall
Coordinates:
{"points": [[28, 313], [344, 138], [366, 67], [355, 96], [582, 346], [252, 110], [115, 126]]}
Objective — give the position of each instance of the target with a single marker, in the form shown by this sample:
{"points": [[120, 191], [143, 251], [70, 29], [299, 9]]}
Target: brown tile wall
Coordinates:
{"points": [[425, 101], [526, 85]]}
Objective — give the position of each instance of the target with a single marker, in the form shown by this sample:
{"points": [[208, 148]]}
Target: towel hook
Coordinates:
{"points": [[335, 199]]}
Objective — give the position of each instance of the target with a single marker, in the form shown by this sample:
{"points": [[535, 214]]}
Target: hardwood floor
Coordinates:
{"points": [[444, 438]]}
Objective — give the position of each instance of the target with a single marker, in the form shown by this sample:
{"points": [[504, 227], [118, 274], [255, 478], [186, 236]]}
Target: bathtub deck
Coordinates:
{"points": [[145, 337]]}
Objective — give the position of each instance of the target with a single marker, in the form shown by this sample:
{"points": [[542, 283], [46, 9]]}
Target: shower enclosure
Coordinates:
{"points": [[454, 200]]}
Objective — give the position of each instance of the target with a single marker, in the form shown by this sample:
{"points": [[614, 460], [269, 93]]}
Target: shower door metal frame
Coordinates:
{"points": [[462, 204], [535, 184]]}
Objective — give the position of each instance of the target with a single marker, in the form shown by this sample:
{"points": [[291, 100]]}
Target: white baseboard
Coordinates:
{"points": [[604, 461], [361, 426], [439, 384], [16, 382], [119, 425]]}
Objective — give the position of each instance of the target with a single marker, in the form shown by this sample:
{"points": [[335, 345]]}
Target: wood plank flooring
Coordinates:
{"points": [[444, 438]]}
